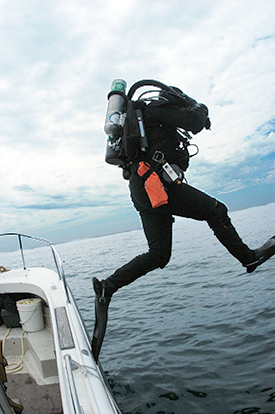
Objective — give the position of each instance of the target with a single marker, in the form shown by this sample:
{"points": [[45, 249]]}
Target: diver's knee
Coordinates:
{"points": [[164, 260], [160, 260], [219, 215]]}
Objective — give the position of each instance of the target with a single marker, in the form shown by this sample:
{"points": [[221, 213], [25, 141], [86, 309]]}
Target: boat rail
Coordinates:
{"points": [[56, 257], [73, 391]]}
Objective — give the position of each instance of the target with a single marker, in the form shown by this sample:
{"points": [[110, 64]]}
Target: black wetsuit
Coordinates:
{"points": [[160, 123]]}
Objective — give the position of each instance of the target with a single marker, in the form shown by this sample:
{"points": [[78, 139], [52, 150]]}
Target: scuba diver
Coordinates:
{"points": [[151, 145]]}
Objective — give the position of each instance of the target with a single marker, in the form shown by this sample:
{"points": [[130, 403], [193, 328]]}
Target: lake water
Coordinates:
{"points": [[194, 338]]}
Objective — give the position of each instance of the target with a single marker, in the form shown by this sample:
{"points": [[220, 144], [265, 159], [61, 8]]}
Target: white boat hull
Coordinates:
{"points": [[83, 388]]}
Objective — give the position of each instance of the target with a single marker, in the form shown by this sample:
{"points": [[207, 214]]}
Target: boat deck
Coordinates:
{"points": [[35, 398], [35, 385]]}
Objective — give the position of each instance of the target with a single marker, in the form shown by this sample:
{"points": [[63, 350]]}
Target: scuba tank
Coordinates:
{"points": [[118, 110], [114, 121]]}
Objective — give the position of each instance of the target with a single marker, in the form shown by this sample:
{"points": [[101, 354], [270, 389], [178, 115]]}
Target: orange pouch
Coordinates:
{"points": [[153, 186]]}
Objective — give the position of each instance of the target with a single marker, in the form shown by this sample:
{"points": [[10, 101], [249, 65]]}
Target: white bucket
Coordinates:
{"points": [[31, 316]]}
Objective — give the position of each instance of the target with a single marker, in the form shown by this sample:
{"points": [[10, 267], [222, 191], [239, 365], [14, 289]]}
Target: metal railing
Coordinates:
{"points": [[68, 364], [56, 257]]}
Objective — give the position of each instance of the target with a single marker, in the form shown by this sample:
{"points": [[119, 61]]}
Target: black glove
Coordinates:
{"points": [[207, 123]]}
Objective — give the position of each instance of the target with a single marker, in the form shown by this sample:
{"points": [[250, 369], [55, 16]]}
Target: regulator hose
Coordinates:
{"points": [[146, 82]]}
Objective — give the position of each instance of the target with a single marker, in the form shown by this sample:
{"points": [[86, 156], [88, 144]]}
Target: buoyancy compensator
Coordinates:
{"points": [[124, 124], [124, 119]]}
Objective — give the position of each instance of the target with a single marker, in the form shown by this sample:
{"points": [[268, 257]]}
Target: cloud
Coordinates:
{"points": [[58, 61], [24, 188]]}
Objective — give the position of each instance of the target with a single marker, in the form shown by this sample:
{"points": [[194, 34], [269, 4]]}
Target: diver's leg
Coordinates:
{"points": [[158, 231], [226, 233], [188, 201]]}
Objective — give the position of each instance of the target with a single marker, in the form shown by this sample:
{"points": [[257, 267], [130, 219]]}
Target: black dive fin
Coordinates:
{"points": [[101, 316], [262, 254]]}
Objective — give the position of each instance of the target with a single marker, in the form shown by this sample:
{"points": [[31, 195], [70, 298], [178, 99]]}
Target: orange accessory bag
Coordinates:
{"points": [[153, 186]]}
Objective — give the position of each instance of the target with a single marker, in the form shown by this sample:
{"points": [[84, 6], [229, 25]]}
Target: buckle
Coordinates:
{"points": [[158, 156]]}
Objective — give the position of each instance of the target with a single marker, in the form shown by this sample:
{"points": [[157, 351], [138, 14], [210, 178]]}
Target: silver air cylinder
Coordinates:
{"points": [[113, 121], [114, 110]]}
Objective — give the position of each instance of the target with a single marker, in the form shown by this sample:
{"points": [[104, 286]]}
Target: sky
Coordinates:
{"points": [[58, 60]]}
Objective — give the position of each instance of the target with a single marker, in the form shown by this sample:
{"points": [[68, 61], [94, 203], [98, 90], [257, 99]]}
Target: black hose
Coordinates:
{"points": [[146, 82]]}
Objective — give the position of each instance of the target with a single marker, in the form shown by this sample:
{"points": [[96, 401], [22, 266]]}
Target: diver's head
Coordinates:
{"points": [[174, 95]]}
